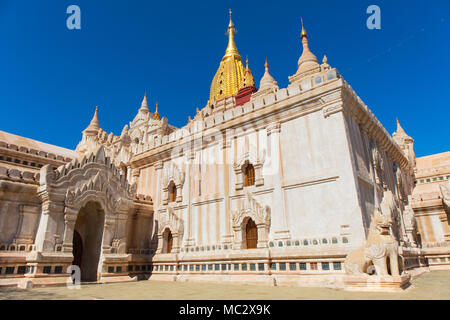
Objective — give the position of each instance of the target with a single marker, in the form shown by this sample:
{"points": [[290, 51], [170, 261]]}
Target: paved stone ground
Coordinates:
{"points": [[433, 285]]}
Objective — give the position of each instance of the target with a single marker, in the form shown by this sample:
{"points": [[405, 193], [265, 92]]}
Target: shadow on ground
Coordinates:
{"points": [[433, 285]]}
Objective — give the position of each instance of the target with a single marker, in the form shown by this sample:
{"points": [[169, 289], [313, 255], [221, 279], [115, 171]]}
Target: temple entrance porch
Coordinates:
{"points": [[87, 240]]}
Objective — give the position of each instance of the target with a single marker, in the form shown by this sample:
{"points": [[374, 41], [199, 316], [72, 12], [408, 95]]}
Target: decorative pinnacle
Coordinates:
{"points": [[94, 125], [303, 34], [95, 118], [231, 49], [399, 127], [144, 101], [156, 115]]}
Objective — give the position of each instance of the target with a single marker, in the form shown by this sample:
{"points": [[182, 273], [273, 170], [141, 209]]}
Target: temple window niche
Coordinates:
{"points": [[172, 189], [173, 180], [248, 170], [249, 174]]}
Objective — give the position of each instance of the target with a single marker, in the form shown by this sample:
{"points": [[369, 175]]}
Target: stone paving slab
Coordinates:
{"points": [[433, 285]]}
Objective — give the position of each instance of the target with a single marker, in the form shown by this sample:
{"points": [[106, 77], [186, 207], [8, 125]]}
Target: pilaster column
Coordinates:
{"points": [[188, 240], [175, 244], [120, 238], [259, 180], [227, 235], [160, 243], [238, 237], [135, 175], [108, 232], [165, 199], [239, 178], [179, 193], [157, 201], [262, 235], [70, 219], [48, 225], [280, 215]]}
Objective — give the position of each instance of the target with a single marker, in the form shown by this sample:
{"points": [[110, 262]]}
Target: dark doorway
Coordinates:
{"points": [[251, 234], [87, 241], [77, 249], [169, 239]]}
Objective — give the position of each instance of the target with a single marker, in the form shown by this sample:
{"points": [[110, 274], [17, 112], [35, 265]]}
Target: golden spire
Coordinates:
{"points": [[249, 81], [231, 49], [156, 115], [303, 34], [229, 77]]}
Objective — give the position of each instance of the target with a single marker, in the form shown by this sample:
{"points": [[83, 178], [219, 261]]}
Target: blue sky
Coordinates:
{"points": [[51, 78]]}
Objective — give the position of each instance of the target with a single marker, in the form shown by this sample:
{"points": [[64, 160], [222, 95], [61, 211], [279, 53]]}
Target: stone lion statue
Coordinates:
{"points": [[380, 250]]}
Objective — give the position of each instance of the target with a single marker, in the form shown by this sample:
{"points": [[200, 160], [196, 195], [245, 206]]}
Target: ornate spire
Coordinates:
{"points": [[400, 135], [249, 81], [156, 115], [303, 34], [231, 49], [144, 104], [405, 142], [267, 81], [399, 128], [308, 61], [94, 125], [229, 78]]}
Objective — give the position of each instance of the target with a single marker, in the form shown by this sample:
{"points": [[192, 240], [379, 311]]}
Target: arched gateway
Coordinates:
{"points": [[87, 240], [86, 205]]}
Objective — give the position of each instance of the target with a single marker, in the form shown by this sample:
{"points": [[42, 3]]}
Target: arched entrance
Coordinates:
{"points": [[168, 239], [87, 240], [251, 234]]}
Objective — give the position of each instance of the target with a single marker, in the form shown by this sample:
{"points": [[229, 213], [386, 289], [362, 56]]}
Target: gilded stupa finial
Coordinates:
{"points": [[303, 34], [231, 49], [229, 78], [156, 115], [249, 81]]}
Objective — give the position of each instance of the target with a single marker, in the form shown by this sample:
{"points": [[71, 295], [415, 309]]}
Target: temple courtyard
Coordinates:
{"points": [[433, 285]]}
